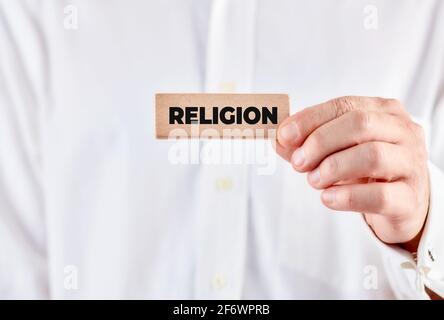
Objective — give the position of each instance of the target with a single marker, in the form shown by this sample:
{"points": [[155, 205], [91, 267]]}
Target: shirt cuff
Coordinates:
{"points": [[408, 277], [430, 256]]}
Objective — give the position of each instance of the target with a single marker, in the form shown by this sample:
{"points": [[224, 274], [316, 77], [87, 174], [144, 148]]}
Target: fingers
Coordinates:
{"points": [[392, 229], [285, 153], [295, 129], [368, 156], [376, 160], [349, 130], [378, 198]]}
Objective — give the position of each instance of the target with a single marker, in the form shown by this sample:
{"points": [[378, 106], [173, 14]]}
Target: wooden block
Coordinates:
{"points": [[204, 115]]}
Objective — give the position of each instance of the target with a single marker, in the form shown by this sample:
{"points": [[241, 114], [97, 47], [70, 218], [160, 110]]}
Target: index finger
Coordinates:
{"points": [[296, 128]]}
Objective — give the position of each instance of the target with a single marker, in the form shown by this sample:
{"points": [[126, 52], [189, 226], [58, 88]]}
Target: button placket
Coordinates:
{"points": [[223, 209]]}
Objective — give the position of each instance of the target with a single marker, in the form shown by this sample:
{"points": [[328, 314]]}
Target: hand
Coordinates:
{"points": [[368, 156]]}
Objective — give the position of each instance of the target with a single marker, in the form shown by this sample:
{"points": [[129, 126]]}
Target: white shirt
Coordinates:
{"points": [[91, 205]]}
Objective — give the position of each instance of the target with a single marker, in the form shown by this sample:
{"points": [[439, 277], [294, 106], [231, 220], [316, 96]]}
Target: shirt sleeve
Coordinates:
{"points": [[23, 263], [410, 274], [430, 256]]}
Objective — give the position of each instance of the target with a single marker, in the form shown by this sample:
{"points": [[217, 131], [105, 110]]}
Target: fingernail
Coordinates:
{"points": [[289, 132], [329, 196], [314, 176], [298, 157]]}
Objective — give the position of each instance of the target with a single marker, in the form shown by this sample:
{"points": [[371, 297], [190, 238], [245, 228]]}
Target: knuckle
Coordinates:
{"points": [[316, 140], [361, 120], [342, 105], [417, 130], [419, 137], [394, 103], [379, 101], [330, 167], [349, 199], [381, 199], [423, 154], [375, 155], [336, 106]]}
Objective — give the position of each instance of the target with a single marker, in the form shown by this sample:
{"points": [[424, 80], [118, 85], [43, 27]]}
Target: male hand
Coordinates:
{"points": [[368, 156]]}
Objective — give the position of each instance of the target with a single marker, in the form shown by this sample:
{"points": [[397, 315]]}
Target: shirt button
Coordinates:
{"points": [[408, 265], [229, 86], [224, 184], [219, 282]]}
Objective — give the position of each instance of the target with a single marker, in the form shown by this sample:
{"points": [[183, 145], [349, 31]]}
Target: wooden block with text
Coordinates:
{"points": [[219, 115]]}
